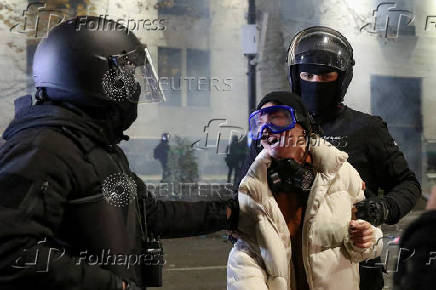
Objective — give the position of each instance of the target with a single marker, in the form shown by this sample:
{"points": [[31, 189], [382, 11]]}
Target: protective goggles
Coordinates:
{"points": [[132, 77], [274, 119]]}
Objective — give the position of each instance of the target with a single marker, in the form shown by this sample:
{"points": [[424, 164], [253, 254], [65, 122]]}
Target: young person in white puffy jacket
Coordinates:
{"points": [[296, 227]]}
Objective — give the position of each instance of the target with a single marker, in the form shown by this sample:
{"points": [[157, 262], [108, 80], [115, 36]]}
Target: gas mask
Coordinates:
{"points": [[286, 175]]}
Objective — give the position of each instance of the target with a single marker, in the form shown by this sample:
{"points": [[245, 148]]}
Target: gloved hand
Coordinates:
{"points": [[130, 285], [373, 210], [123, 284], [233, 215]]}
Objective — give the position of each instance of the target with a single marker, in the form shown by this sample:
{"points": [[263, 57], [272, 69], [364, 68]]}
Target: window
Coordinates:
{"points": [[198, 69], [194, 8], [170, 72], [185, 76]]}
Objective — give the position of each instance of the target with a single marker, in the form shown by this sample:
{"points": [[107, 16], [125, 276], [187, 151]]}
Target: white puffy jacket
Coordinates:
{"points": [[261, 259]]}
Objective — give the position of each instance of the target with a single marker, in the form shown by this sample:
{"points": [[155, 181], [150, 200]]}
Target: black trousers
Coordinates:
{"points": [[371, 275]]}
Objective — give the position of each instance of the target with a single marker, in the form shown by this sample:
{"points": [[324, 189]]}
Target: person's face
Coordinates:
{"points": [[288, 144], [321, 78]]}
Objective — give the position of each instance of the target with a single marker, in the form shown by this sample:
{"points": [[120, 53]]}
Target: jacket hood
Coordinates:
{"points": [[56, 116]]}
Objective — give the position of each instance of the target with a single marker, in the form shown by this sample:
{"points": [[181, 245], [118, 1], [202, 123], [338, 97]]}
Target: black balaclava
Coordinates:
{"points": [[113, 117], [320, 98], [127, 110]]}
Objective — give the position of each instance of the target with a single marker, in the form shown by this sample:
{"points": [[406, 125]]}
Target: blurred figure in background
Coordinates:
{"points": [[161, 153]]}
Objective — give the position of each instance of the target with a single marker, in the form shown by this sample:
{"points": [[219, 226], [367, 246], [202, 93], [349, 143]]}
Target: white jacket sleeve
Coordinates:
{"points": [[357, 254], [244, 271], [267, 241], [273, 254], [259, 226]]}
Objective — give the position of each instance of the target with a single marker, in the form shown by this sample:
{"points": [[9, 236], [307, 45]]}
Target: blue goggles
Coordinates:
{"points": [[274, 119]]}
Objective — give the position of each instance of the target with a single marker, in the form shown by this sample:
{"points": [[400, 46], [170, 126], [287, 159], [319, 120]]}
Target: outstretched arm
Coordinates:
{"points": [[176, 219]]}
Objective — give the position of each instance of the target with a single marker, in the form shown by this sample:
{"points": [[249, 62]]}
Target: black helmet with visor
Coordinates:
{"points": [[322, 46]]}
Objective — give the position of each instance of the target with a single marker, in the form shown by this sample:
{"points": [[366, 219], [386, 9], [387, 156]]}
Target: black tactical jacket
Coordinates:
{"points": [[52, 167]]}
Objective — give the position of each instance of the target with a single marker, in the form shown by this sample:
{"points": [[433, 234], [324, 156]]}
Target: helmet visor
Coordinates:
{"points": [[320, 48], [132, 77], [275, 119]]}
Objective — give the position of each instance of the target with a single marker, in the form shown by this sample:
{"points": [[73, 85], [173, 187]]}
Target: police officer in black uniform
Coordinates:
{"points": [[161, 152], [67, 195], [320, 68]]}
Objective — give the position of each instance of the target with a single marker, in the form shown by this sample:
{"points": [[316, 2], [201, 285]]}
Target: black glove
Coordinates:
{"points": [[373, 210], [130, 285], [232, 222], [286, 175]]}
